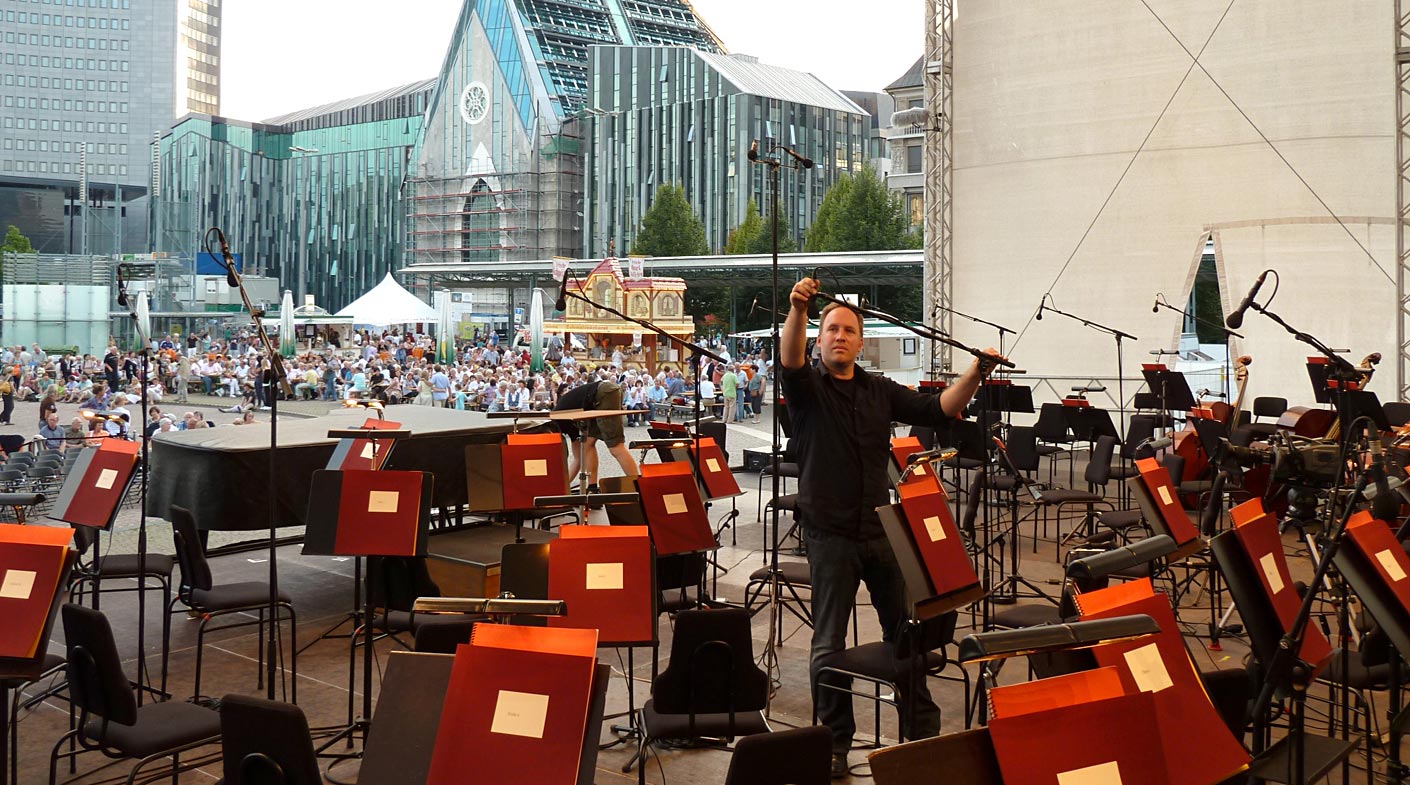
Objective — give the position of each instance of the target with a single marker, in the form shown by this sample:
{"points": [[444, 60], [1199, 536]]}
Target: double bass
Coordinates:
{"points": [[1187, 444]]}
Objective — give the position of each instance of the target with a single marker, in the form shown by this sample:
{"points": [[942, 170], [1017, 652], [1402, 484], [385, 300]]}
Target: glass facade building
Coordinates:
{"points": [[85, 87], [313, 197], [663, 115]]}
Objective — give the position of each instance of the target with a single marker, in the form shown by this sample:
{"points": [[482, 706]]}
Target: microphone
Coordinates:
{"points": [[754, 150], [122, 286], [231, 278], [925, 456], [754, 307], [1041, 303], [806, 163], [1156, 307], [1236, 319], [562, 302], [1161, 443]]}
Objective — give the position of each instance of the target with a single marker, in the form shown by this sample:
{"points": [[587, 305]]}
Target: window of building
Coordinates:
{"points": [[914, 159], [915, 205]]}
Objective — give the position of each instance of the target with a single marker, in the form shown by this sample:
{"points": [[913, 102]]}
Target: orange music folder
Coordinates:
{"points": [[363, 454], [936, 537], [381, 514], [516, 707], [1103, 741], [1160, 665], [97, 483], [31, 562], [1257, 532], [604, 574], [533, 464], [1376, 541], [903, 447], [1059, 692], [714, 469], [674, 511], [1157, 480]]}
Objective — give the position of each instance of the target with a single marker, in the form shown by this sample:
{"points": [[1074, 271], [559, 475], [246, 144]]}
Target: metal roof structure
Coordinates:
{"points": [[911, 78], [849, 269], [350, 103], [771, 81]]}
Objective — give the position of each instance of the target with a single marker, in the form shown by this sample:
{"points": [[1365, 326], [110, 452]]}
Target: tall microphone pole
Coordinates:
{"points": [[1002, 329], [1119, 335], [276, 376]]}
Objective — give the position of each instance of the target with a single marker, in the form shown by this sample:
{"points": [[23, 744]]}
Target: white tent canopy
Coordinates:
{"points": [[388, 303]]}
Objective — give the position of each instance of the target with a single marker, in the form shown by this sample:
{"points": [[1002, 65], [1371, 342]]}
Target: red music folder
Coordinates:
{"points": [[1167, 498], [604, 574], [362, 454], [380, 513], [1257, 532], [936, 536], [674, 511], [533, 464], [95, 486], [1104, 741], [1059, 692], [1376, 541], [1161, 666], [903, 447], [516, 707], [714, 469], [31, 562]]}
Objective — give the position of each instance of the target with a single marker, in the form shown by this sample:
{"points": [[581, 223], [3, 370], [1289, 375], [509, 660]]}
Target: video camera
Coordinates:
{"points": [[1310, 462]]}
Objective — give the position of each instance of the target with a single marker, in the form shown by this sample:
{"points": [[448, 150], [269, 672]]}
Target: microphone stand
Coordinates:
{"points": [[1228, 350], [1002, 329], [1120, 366], [775, 164], [275, 379]]}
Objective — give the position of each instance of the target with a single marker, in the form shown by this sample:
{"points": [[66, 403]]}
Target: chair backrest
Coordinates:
{"points": [[711, 670], [1174, 464], [1099, 463], [42, 472], [718, 431], [933, 634], [442, 637], [195, 570], [20, 457], [1023, 448], [1138, 431], [801, 756], [1269, 406], [97, 684], [925, 434], [266, 743], [1052, 423], [967, 758], [1397, 412]]}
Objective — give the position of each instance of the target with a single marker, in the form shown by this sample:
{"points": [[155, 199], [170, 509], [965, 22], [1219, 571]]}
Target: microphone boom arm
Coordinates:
{"points": [[276, 361], [1161, 303], [923, 331]]}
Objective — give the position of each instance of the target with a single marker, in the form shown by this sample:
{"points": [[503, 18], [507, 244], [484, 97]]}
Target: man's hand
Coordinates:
{"points": [[985, 366], [803, 293]]}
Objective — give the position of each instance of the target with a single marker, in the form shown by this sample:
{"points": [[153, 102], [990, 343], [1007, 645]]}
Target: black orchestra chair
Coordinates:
{"points": [[266, 743], [884, 664], [198, 592], [800, 756], [967, 758], [711, 687], [1267, 406], [110, 721], [53, 665]]}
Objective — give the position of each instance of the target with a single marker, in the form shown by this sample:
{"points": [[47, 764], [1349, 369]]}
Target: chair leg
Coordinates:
{"points": [[259, 651], [166, 631], [54, 755], [200, 652]]}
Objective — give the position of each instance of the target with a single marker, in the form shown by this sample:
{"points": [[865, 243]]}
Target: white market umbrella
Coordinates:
{"points": [[143, 312], [536, 331], [287, 347], [445, 331]]}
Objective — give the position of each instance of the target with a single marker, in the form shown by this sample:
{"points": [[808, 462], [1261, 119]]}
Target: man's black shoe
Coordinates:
{"points": [[839, 766]]}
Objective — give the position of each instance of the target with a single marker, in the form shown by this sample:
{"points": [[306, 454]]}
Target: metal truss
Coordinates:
{"points": [[1402, 199], [938, 225]]}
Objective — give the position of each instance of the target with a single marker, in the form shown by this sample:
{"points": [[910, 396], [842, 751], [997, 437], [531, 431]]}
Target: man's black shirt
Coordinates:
{"points": [[842, 437]]}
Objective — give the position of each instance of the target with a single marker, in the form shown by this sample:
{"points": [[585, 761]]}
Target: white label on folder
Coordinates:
{"points": [[1148, 669], [920, 471], [1100, 774], [17, 584], [367, 452], [1269, 565], [106, 478], [520, 714], [382, 501], [934, 528], [675, 503], [536, 467], [605, 576], [1392, 567], [713, 465], [1164, 492]]}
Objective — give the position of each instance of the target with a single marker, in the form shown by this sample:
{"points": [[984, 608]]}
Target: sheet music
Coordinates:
{"points": [[1148, 668], [935, 528], [675, 503], [520, 714], [1392, 567], [106, 478], [606, 576], [382, 501], [18, 584], [1269, 565]]}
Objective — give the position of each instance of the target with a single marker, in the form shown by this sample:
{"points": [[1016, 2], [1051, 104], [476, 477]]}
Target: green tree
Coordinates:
{"points": [[742, 237], [859, 213], [764, 241], [16, 242], [670, 227]]}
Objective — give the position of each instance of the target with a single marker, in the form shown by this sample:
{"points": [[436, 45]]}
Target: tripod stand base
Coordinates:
{"points": [[1320, 755], [346, 733]]}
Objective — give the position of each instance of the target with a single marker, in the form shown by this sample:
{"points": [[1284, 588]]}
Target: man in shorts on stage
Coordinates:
{"points": [[601, 395]]}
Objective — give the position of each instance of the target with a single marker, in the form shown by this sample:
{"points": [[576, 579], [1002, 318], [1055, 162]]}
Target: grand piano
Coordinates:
{"points": [[222, 474]]}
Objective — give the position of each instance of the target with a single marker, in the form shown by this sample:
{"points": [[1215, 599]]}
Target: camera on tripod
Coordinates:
{"points": [[1295, 459]]}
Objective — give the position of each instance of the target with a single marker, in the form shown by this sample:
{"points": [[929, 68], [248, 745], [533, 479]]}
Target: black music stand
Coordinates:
{"points": [[399, 749], [1171, 390], [485, 489], [26, 669]]}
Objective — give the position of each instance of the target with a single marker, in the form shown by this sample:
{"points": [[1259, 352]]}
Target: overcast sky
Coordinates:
{"points": [[283, 55]]}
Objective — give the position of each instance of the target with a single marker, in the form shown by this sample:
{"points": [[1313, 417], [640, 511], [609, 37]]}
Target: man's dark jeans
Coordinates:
{"points": [[837, 566]]}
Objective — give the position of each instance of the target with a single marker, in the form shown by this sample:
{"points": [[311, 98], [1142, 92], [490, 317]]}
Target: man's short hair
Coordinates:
{"points": [[822, 318]]}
